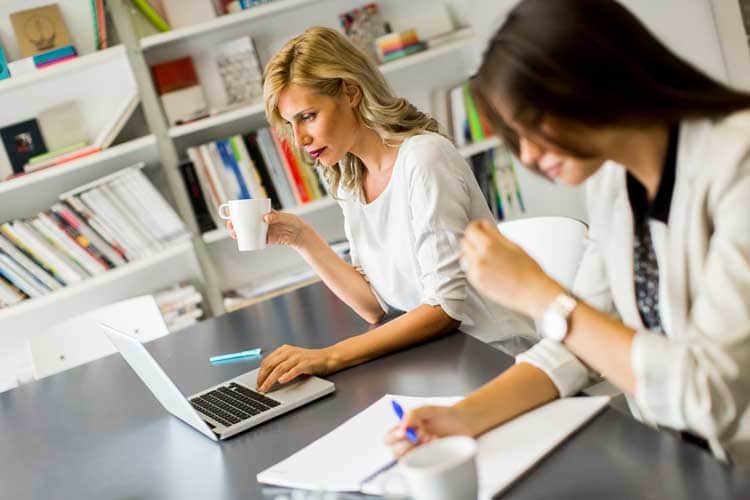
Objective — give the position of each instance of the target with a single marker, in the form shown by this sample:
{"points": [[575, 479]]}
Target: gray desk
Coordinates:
{"points": [[95, 432]]}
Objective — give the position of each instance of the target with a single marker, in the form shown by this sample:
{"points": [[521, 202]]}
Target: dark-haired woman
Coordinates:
{"points": [[661, 307]]}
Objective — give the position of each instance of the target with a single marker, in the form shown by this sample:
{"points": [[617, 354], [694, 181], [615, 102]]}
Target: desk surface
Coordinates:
{"points": [[95, 432]]}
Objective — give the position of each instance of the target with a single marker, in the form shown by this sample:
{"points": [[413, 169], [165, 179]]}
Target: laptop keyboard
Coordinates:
{"points": [[232, 403]]}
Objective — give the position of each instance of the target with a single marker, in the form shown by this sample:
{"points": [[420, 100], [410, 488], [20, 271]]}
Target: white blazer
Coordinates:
{"points": [[697, 377]]}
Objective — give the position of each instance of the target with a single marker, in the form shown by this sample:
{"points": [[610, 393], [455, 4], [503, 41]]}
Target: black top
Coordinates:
{"points": [[659, 209]]}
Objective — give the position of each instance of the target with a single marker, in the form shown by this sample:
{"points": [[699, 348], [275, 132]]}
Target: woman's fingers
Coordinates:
{"points": [[277, 372]]}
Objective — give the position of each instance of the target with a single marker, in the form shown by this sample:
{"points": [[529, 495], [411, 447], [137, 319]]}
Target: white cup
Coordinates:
{"points": [[247, 219], [444, 469]]}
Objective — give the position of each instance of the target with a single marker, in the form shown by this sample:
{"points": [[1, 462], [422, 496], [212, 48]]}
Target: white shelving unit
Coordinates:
{"points": [[479, 147]]}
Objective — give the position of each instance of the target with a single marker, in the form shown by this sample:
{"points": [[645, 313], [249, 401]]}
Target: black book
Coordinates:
{"points": [[251, 142], [197, 199], [22, 141]]}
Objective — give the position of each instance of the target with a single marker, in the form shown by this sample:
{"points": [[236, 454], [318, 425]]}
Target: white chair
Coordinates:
{"points": [[556, 243], [79, 340]]}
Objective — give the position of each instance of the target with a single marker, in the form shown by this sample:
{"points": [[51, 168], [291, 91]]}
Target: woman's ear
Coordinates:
{"points": [[352, 92]]}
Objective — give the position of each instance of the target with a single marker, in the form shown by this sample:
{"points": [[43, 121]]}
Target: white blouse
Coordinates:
{"points": [[406, 242]]}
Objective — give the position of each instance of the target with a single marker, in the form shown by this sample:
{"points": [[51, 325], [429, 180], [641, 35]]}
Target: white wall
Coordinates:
{"points": [[686, 26]]}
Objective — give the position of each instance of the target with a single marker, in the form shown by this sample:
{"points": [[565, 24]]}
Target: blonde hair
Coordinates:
{"points": [[322, 59]]}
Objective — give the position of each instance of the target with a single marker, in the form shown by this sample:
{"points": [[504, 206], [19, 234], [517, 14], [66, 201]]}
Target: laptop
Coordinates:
{"points": [[225, 409]]}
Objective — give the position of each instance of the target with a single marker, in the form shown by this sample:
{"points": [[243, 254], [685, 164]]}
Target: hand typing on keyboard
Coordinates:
{"points": [[289, 362]]}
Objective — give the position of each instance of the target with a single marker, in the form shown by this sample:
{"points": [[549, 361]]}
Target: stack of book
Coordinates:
{"points": [[180, 305], [97, 227], [257, 165], [495, 171], [468, 123]]}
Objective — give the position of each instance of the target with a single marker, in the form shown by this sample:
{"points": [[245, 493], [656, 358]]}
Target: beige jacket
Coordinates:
{"points": [[697, 378]]}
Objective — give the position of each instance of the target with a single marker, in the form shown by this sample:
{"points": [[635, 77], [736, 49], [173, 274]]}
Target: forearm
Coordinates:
{"points": [[343, 280], [519, 389], [596, 338], [419, 324]]}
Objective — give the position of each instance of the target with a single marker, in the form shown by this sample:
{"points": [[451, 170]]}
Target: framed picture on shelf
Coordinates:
{"points": [[22, 141]]}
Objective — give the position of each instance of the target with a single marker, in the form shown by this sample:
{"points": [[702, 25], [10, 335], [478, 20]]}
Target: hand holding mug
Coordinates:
{"points": [[245, 222]]}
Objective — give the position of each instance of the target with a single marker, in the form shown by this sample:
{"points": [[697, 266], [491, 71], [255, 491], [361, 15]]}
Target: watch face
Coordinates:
{"points": [[554, 325]]}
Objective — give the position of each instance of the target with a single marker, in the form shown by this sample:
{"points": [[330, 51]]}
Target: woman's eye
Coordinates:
{"points": [[308, 117]]}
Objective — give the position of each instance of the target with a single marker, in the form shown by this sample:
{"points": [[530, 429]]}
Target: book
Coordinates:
{"points": [[62, 125], [181, 13], [84, 213], [85, 236], [151, 15], [292, 169], [15, 238], [475, 125], [179, 90], [458, 119], [27, 262], [40, 30], [235, 180], [247, 168], [276, 168], [22, 141], [210, 192], [4, 69], [9, 294], [253, 150], [197, 199], [240, 71], [54, 55], [15, 274]]}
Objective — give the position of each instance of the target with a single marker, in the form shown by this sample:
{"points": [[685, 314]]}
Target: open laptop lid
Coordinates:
{"points": [[162, 387]]}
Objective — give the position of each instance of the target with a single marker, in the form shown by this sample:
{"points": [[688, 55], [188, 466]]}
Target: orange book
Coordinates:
{"points": [[294, 174]]}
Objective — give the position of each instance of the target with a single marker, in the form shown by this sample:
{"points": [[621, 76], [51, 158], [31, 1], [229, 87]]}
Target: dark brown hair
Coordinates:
{"points": [[590, 62]]}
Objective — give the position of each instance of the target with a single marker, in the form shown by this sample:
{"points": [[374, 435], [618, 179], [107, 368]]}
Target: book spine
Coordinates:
{"points": [[273, 162], [212, 169], [475, 125], [292, 171], [19, 277], [151, 15], [69, 273], [68, 245], [79, 239], [232, 170], [135, 205], [251, 144], [22, 245], [174, 226], [85, 213], [209, 191], [60, 244], [27, 262], [458, 116], [68, 215], [198, 202], [9, 293], [134, 227], [247, 169], [104, 214]]}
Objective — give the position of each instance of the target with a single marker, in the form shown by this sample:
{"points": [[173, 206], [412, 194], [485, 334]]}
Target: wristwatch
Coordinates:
{"points": [[555, 324]]}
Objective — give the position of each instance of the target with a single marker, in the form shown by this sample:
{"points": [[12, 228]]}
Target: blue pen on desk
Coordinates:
{"points": [[235, 357], [411, 434]]}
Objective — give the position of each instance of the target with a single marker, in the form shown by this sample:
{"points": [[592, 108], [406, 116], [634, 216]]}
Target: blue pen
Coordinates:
{"points": [[235, 357], [411, 434]]}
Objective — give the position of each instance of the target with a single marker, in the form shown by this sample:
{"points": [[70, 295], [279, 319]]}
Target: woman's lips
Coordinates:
{"points": [[553, 171], [316, 153]]}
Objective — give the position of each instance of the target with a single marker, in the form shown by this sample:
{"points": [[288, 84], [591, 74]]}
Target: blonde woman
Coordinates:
{"points": [[406, 195]]}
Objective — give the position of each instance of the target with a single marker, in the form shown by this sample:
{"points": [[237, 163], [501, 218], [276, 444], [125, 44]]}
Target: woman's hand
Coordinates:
{"points": [[429, 422], [289, 362], [500, 269], [283, 229]]}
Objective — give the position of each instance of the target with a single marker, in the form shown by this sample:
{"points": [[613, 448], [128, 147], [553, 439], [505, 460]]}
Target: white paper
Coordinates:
{"points": [[342, 459]]}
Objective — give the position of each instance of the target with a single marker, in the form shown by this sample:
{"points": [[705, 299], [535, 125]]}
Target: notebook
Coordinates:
{"points": [[356, 448]]}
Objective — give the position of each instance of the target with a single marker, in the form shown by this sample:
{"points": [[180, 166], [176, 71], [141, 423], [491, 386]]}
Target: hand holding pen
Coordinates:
{"points": [[424, 424]]}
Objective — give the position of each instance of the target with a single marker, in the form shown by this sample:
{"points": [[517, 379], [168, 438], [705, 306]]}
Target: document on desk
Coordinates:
{"points": [[344, 458]]}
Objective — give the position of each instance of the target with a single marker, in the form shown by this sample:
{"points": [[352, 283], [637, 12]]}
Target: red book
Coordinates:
{"points": [[174, 75], [290, 162]]}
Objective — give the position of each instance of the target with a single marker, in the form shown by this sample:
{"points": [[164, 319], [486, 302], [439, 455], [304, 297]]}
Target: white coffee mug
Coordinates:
{"points": [[444, 469], [247, 220]]}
